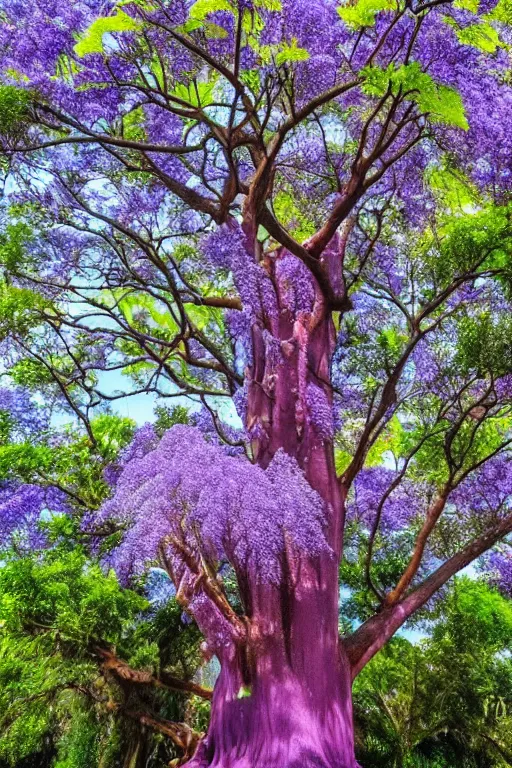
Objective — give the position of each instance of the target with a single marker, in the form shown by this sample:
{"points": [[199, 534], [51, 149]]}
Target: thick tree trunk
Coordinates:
{"points": [[286, 717], [284, 699]]}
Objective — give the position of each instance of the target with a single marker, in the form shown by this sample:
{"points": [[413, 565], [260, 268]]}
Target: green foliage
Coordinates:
{"points": [[363, 12], [25, 461], [64, 593], [167, 417], [393, 440], [138, 307], [51, 609], [133, 123], [387, 567], [198, 17], [485, 344], [112, 433], [294, 215], [178, 643], [202, 8], [14, 107], [196, 94], [440, 103], [502, 12], [252, 23], [475, 617], [446, 701], [56, 609], [482, 36], [20, 309], [13, 242], [30, 373], [452, 189], [290, 53], [79, 745], [472, 242], [92, 40], [73, 463]]}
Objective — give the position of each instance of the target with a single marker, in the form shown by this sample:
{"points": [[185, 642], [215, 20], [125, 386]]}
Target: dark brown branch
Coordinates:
{"points": [[181, 734], [141, 146], [122, 671]]}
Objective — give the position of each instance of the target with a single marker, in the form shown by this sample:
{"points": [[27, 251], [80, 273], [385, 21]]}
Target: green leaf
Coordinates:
{"points": [[13, 243], [92, 40], [269, 5], [377, 80], [23, 459], [20, 309], [391, 440], [112, 433], [439, 102], [452, 188], [467, 5], [198, 17], [201, 316], [482, 36], [14, 106], [140, 305], [133, 125], [342, 459], [201, 8], [196, 94], [501, 13], [444, 105], [290, 214], [291, 53], [363, 12]]}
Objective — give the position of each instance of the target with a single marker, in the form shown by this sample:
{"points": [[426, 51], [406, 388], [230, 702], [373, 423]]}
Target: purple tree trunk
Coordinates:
{"points": [[284, 699]]}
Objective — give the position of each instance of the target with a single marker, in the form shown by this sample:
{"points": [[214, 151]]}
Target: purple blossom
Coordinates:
{"points": [[144, 440], [486, 492], [498, 567], [244, 514], [399, 509], [21, 507], [320, 411], [25, 416], [296, 285], [226, 249]]}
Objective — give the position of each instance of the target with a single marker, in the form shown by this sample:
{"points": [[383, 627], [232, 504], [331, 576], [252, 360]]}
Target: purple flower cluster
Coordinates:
{"points": [[226, 248], [212, 426], [26, 417], [21, 507], [498, 566], [320, 411], [189, 492], [400, 508], [486, 492], [296, 285], [144, 440]]}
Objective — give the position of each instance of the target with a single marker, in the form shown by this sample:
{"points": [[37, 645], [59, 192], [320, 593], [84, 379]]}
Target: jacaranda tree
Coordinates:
{"points": [[301, 207]]}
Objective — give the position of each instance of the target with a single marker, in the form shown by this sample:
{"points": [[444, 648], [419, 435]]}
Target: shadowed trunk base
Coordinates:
{"points": [[280, 721]]}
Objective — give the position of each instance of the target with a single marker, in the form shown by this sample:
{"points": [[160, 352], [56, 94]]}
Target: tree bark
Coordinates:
{"points": [[283, 699]]}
